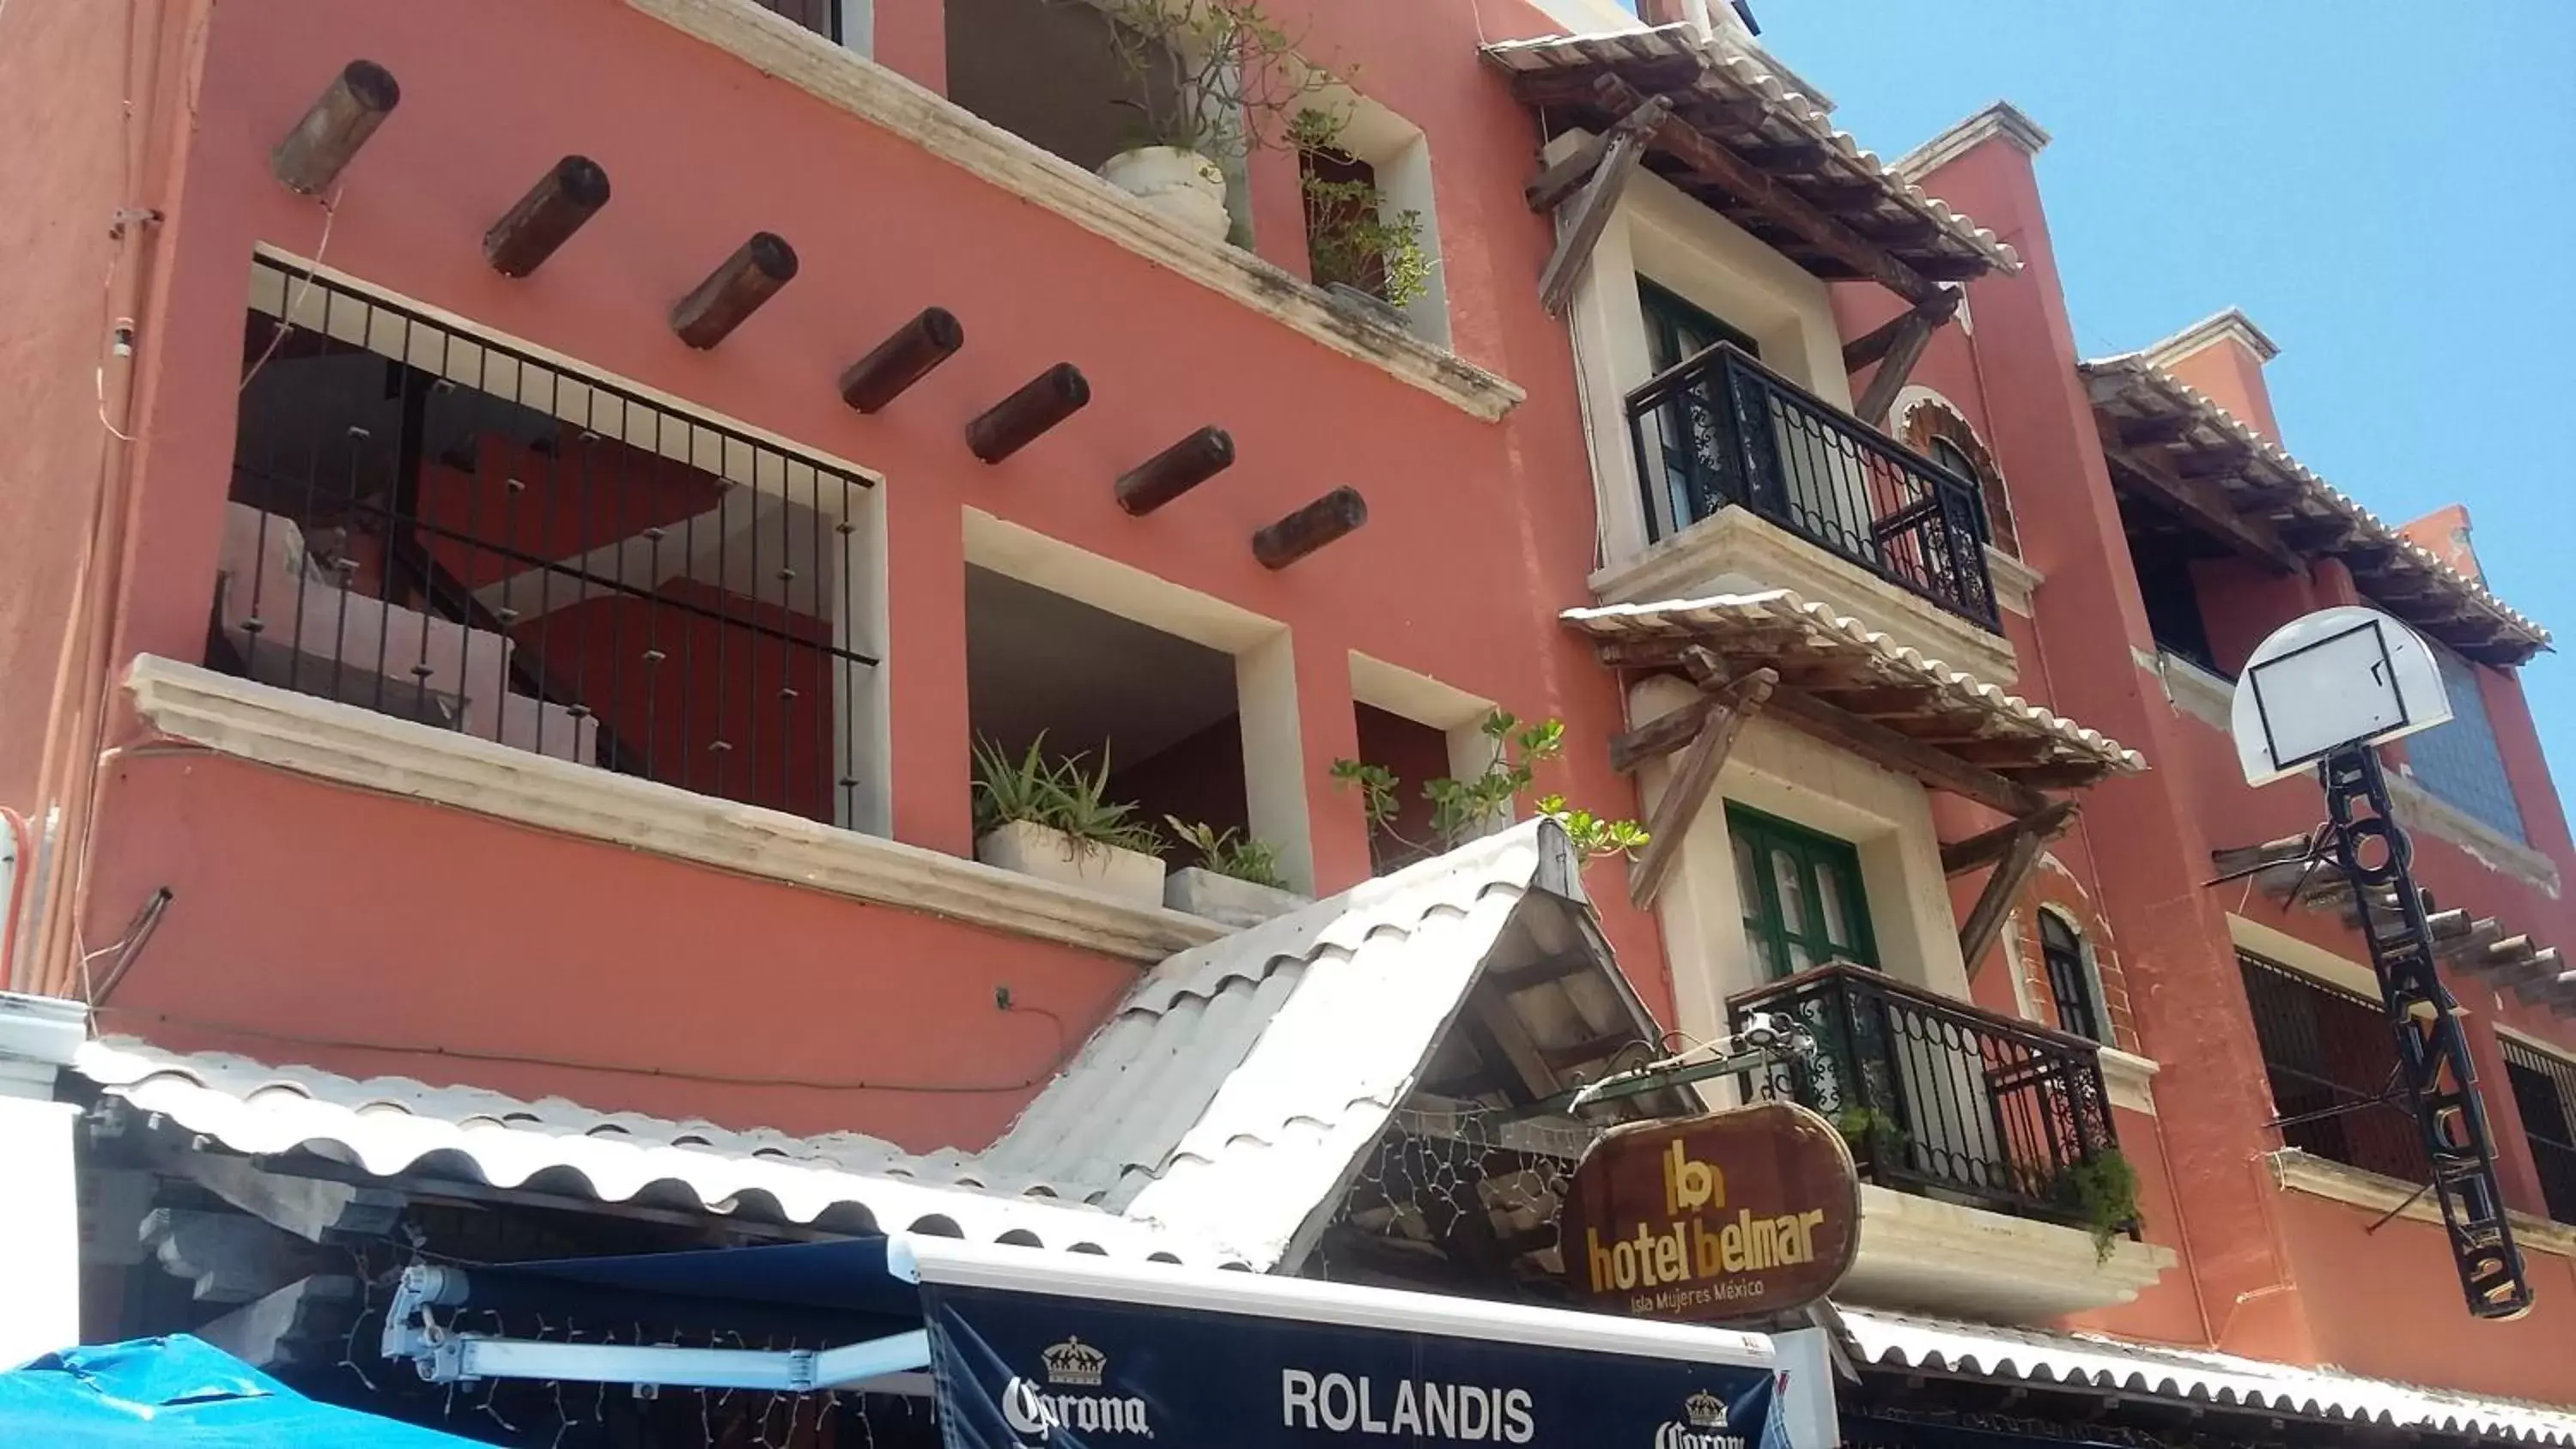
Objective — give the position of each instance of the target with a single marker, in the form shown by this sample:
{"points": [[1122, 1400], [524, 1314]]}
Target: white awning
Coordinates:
{"points": [[2190, 1376]]}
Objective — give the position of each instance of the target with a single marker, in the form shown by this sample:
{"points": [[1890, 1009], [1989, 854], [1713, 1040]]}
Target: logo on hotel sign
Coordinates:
{"points": [[1737, 1214]]}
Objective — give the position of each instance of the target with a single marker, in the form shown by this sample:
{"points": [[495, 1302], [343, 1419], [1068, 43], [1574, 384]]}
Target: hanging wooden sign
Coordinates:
{"points": [[1733, 1215]]}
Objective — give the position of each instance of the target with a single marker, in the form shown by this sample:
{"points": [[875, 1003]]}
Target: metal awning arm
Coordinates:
{"points": [[443, 1356]]}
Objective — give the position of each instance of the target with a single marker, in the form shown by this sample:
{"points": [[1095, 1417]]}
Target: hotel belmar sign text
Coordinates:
{"points": [[1735, 1215]]}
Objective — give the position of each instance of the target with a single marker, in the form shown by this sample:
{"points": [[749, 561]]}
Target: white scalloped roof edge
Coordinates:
{"points": [[1798, 108], [2195, 1375], [1787, 604], [2334, 497], [388, 1125]]}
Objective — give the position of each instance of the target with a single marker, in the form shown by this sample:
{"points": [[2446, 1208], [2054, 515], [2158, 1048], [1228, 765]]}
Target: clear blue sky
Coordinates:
{"points": [[2388, 189]]}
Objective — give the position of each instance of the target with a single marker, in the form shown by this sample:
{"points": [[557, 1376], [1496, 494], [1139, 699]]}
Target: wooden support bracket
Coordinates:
{"points": [[734, 290], [1588, 212], [1332, 516], [2012, 871], [1877, 342], [1562, 179], [333, 128], [903, 359], [544, 219], [1020, 419], [1175, 471], [1695, 779], [1880, 745], [1988, 846], [1913, 334]]}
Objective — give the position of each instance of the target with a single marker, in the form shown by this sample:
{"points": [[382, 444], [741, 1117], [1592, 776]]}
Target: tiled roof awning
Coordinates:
{"points": [[2289, 872], [2192, 458], [2187, 1377], [1842, 679], [396, 1127], [1773, 134]]}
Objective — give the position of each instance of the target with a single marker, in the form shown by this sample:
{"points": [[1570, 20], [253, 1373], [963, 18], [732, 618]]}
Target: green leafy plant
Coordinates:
{"points": [[1351, 236], [1869, 1127], [1219, 77], [1460, 808], [1228, 852], [2103, 1190], [1058, 794]]}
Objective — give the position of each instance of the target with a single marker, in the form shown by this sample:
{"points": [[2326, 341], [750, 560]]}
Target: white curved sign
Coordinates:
{"points": [[2332, 678]]}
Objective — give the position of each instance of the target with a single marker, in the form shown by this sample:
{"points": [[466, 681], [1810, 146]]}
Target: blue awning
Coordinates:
{"points": [[180, 1393], [1027, 1349]]}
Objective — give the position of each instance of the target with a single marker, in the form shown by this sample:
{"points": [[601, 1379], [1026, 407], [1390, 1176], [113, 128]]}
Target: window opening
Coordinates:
{"points": [[2070, 982], [1803, 903]]}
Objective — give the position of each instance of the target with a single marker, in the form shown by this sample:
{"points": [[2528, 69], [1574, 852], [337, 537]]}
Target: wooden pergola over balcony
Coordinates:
{"points": [[1716, 123], [1854, 688]]}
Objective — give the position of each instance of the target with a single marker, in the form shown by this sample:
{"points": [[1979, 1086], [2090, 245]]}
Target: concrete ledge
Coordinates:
{"points": [[2298, 1171], [859, 86], [1916, 1252], [1735, 550], [2421, 809], [2131, 1079], [333, 741]]}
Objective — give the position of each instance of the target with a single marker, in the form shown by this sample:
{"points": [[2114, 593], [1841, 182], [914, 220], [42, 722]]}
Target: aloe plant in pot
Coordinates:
{"points": [[1236, 881], [1049, 817], [1214, 80]]}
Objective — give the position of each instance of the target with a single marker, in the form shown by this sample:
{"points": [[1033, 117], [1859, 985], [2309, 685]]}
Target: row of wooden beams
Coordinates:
{"points": [[1958, 857], [2201, 504], [1695, 779], [1878, 744], [1713, 164]]}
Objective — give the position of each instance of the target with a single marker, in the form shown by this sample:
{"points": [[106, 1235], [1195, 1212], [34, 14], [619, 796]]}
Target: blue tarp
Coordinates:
{"points": [[180, 1393]]}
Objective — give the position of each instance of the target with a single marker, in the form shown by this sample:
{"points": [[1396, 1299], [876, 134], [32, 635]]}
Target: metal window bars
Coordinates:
{"points": [[1721, 429], [2544, 1089], [2332, 1068], [1936, 1097], [435, 526]]}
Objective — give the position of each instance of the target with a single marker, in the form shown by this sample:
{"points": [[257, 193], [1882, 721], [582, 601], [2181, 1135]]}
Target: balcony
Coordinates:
{"points": [[1976, 1135], [1721, 430]]}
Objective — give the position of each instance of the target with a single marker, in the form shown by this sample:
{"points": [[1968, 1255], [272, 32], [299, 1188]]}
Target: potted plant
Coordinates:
{"points": [[1461, 810], [1356, 248], [1213, 80], [1051, 819], [1236, 880]]}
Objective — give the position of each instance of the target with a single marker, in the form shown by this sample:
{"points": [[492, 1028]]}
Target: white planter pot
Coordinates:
{"points": [[1053, 855], [1184, 186], [1203, 892]]}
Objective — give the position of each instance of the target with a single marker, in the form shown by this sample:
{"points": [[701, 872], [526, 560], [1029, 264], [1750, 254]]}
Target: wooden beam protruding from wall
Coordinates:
{"points": [[1880, 745], [333, 128], [1958, 857], [734, 290], [1332, 516], [894, 365], [2020, 857], [569, 194], [1584, 216], [1175, 471], [1904, 349], [1020, 419], [1695, 779]]}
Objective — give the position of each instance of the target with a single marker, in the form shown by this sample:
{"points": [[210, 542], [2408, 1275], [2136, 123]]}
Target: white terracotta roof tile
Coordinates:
{"points": [[1819, 625], [2197, 1376]]}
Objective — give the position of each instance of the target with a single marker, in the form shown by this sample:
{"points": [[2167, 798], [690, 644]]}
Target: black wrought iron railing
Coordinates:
{"points": [[426, 524], [2332, 1064], [1936, 1097], [1722, 430]]}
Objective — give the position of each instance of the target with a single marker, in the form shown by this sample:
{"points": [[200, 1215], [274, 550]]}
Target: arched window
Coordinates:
{"points": [[2070, 983], [1935, 429]]}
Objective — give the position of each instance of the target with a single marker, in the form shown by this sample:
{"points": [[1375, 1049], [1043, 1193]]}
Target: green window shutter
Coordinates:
{"points": [[1803, 902]]}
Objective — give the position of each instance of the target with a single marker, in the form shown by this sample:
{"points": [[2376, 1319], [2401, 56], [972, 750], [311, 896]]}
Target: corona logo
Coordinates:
{"points": [[1034, 1413], [1701, 1426], [1074, 1364]]}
